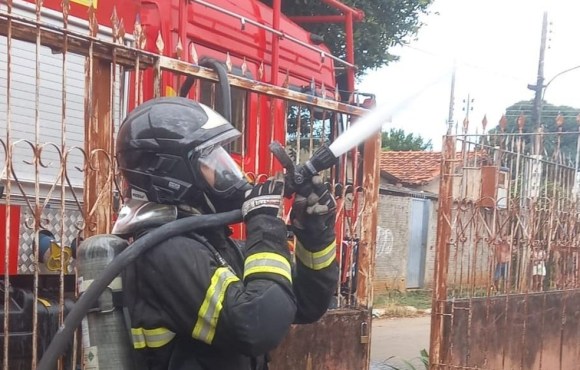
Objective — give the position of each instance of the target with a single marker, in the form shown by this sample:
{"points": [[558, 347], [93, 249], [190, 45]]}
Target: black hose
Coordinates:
{"points": [[61, 340], [219, 68]]}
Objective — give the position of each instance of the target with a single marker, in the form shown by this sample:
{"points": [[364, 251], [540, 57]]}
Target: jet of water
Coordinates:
{"points": [[372, 122]]}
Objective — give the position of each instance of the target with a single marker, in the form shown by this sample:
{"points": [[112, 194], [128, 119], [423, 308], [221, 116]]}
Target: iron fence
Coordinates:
{"points": [[506, 275], [65, 86]]}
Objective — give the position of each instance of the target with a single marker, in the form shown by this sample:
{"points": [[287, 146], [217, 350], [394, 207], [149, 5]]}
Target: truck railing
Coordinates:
{"points": [[323, 54], [129, 56]]}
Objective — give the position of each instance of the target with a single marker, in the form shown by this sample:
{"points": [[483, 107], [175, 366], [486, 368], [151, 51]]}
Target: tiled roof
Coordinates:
{"points": [[411, 168]]}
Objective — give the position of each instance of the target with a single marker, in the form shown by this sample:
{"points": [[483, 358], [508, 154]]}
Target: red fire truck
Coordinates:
{"points": [[279, 76]]}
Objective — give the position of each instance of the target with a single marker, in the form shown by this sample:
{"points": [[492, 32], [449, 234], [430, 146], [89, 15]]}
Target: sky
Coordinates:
{"points": [[495, 46]]}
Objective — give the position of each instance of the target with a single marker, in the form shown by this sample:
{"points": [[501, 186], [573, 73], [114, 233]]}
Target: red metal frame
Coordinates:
{"points": [[13, 248], [213, 34], [126, 10], [266, 45], [350, 15], [217, 34]]}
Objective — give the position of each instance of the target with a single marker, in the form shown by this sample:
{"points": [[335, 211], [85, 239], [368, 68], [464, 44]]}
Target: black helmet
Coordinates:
{"points": [[169, 151]]}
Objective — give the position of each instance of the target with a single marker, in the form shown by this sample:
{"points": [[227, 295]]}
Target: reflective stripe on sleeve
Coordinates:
{"points": [[204, 329], [267, 262], [316, 260], [152, 338]]}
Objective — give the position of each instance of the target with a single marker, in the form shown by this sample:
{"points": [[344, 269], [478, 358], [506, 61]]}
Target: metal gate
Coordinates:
{"points": [[58, 173], [506, 288]]}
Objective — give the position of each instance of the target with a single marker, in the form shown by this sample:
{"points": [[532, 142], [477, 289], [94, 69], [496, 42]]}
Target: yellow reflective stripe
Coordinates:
{"points": [[138, 338], [204, 329], [269, 270], [268, 262], [152, 338], [44, 302], [316, 260]]}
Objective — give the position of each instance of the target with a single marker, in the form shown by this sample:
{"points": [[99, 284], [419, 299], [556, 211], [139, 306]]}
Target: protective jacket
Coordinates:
{"points": [[203, 302]]}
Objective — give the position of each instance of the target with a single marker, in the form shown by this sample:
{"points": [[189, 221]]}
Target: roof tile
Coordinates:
{"points": [[420, 167], [412, 167]]}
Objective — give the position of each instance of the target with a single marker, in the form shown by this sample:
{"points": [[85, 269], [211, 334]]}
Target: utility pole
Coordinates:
{"points": [[451, 101], [467, 108], [539, 86]]}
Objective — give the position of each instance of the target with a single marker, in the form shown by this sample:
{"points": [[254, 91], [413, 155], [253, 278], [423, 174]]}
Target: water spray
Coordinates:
{"points": [[327, 156]]}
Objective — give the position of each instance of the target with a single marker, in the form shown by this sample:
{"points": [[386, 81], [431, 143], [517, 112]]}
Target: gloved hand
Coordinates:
{"points": [[265, 199], [313, 215], [266, 256]]}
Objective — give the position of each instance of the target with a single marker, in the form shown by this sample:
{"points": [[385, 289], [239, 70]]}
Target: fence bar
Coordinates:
{"points": [[98, 146], [69, 154], [442, 252], [369, 220], [369, 223]]}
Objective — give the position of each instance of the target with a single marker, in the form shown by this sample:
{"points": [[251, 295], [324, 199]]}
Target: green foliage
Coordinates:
{"points": [[399, 140], [387, 23], [423, 358], [568, 142], [313, 125], [421, 299]]}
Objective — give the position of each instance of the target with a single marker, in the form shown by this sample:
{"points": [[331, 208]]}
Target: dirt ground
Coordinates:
{"points": [[399, 338]]}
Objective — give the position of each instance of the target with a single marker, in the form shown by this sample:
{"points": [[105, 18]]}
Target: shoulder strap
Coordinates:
{"points": [[208, 245]]}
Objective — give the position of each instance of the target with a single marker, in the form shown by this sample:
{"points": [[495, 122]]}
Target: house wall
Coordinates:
{"points": [[432, 186], [393, 243]]}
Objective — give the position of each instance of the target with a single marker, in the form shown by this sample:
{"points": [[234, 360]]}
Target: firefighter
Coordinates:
{"points": [[202, 300]]}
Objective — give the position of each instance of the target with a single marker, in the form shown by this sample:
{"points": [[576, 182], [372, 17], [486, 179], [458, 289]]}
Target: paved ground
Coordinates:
{"points": [[395, 339]]}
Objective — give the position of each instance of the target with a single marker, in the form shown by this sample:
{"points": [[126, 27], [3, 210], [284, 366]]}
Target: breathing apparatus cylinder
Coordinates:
{"points": [[105, 333]]}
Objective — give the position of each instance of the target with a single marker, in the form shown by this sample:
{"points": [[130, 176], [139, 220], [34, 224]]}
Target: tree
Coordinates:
{"points": [[568, 142], [387, 23], [398, 140]]}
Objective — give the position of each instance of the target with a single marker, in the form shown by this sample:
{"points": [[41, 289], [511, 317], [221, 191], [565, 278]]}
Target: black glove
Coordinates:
{"points": [[313, 215], [264, 199]]}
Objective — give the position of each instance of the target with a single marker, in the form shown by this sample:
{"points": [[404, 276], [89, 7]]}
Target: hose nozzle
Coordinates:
{"points": [[296, 176]]}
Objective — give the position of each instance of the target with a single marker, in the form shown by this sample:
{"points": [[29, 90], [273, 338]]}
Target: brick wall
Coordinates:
{"points": [[393, 243]]}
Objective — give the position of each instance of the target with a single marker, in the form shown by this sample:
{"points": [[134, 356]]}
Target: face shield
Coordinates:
{"points": [[220, 171]]}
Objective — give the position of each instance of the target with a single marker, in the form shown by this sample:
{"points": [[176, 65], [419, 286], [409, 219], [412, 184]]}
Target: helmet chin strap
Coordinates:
{"points": [[209, 203]]}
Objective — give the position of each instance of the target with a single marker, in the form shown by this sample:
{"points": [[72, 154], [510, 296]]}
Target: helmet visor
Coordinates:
{"points": [[219, 169]]}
